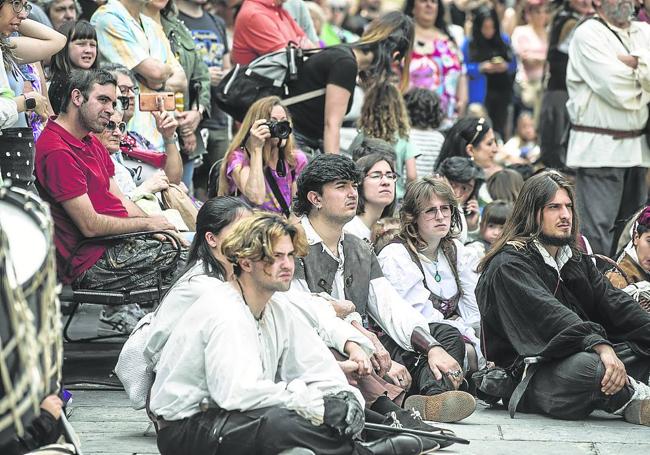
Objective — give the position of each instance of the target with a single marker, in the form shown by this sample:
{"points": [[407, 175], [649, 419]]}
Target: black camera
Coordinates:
{"points": [[281, 129]]}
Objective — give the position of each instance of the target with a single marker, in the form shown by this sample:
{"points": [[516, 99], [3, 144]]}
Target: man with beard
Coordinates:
{"points": [[74, 174], [608, 80], [345, 267], [242, 373], [540, 297]]}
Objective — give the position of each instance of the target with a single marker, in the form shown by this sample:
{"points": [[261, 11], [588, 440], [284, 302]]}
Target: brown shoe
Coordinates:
{"points": [[445, 407], [638, 412]]}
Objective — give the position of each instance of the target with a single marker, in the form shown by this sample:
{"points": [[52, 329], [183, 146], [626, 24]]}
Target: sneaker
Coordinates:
{"points": [[445, 407], [119, 323], [638, 412], [411, 419]]}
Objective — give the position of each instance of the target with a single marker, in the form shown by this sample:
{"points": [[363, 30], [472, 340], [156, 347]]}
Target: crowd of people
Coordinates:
{"points": [[484, 235]]}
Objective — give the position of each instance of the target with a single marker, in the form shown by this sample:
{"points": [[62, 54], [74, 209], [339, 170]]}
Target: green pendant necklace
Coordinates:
{"points": [[437, 276]]}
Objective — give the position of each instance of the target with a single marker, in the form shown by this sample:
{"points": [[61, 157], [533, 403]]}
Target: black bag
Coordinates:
{"points": [[17, 157], [494, 384], [267, 75]]}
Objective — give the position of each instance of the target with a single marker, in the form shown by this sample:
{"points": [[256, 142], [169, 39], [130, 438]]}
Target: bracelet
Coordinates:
{"points": [[172, 140]]}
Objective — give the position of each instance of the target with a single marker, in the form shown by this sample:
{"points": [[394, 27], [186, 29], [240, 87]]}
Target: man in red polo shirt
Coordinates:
{"points": [[263, 26], [74, 174]]}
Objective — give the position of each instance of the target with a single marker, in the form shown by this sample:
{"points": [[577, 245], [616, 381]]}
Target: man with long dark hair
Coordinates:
{"points": [[540, 297]]}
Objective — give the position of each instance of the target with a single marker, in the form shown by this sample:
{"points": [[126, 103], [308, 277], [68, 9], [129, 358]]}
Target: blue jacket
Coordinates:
{"points": [[477, 81]]}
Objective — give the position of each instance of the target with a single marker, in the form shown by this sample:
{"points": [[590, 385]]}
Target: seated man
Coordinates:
{"points": [[344, 266], [539, 296], [241, 373], [74, 174]]}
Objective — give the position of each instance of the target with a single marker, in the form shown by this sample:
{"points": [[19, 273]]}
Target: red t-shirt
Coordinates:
{"points": [[262, 27], [65, 168]]}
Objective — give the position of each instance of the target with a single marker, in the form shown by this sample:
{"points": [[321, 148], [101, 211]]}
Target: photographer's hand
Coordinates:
{"points": [[259, 133]]}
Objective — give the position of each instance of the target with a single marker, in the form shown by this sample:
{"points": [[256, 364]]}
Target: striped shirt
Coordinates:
{"points": [[122, 39], [427, 144]]}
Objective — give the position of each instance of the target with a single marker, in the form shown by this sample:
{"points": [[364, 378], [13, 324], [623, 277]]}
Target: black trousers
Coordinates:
{"points": [[497, 103], [266, 431], [424, 382], [570, 388]]}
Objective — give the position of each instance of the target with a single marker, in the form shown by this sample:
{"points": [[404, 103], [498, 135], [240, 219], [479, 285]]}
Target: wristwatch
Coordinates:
{"points": [[30, 103], [172, 140]]}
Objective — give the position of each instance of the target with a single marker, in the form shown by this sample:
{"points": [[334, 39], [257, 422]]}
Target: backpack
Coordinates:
{"points": [[267, 75]]}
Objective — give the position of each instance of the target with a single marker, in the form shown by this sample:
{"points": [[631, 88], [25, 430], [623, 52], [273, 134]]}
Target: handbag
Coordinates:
{"points": [[132, 369], [175, 198], [17, 157]]}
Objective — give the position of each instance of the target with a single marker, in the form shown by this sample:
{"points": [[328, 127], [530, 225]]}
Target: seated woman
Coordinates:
{"points": [[261, 164], [376, 195], [634, 263], [79, 52], [432, 270], [110, 138]]}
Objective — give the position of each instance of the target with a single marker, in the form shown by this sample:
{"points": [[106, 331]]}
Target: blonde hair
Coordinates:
{"points": [[253, 238], [261, 109], [383, 114]]}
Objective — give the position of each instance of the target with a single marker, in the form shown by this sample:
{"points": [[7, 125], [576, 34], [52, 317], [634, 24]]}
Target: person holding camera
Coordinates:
{"points": [[261, 164]]}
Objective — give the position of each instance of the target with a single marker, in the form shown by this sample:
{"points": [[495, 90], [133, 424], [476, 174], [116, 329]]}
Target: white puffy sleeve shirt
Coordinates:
{"points": [[406, 278], [606, 93], [220, 352]]}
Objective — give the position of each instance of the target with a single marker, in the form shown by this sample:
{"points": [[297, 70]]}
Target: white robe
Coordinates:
{"points": [[220, 352]]}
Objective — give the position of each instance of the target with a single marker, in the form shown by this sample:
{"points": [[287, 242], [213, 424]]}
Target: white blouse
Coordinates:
{"points": [[358, 228], [406, 278]]}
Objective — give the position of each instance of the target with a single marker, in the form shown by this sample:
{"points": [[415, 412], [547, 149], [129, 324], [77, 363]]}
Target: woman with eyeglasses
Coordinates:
{"points": [[376, 194], [430, 268], [111, 138], [472, 138], [24, 44], [79, 52]]}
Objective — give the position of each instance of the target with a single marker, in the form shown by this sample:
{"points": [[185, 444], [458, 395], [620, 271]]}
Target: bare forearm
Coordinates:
{"points": [[102, 225], [255, 189], [132, 208], [177, 81], [331, 138], [36, 41], [174, 163]]}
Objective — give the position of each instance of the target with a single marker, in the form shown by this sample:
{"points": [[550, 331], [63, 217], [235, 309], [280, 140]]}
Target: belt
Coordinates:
{"points": [[616, 134]]}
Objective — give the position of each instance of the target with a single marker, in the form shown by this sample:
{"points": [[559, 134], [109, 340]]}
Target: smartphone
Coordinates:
{"points": [[148, 101], [497, 60]]}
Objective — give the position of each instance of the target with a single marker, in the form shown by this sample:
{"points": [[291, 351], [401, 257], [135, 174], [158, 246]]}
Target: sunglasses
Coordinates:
{"points": [[111, 125], [479, 128], [124, 102]]}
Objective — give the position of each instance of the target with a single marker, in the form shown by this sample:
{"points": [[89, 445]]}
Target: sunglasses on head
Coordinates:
{"points": [[111, 125], [124, 101]]}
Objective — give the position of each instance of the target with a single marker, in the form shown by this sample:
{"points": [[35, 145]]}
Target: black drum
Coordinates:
{"points": [[30, 321]]}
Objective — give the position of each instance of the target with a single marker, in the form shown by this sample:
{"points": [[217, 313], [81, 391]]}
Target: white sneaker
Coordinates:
{"points": [[119, 323]]}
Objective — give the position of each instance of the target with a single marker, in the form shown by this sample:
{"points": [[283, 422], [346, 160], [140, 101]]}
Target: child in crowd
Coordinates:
{"points": [[384, 116], [424, 112], [80, 52], [504, 185], [522, 147], [492, 221]]}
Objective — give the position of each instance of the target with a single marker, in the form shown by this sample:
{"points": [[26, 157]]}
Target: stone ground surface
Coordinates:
{"points": [[106, 424]]}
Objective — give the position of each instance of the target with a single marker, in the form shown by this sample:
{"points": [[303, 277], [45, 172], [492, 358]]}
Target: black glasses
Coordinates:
{"points": [[432, 213], [479, 128], [19, 6], [377, 175], [124, 102], [111, 125], [124, 89]]}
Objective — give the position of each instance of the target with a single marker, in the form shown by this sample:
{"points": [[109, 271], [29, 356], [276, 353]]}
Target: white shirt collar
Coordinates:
{"points": [[313, 238], [557, 262]]}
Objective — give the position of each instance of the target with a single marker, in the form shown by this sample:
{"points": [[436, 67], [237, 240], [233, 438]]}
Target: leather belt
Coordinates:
{"points": [[616, 134]]}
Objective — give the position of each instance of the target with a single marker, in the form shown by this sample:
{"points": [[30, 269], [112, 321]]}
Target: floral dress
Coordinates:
{"points": [[437, 66]]}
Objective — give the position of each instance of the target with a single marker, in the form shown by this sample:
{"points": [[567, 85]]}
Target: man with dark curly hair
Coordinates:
{"points": [[344, 266]]}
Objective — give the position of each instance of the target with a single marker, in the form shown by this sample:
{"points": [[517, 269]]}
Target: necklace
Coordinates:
{"points": [[437, 276], [243, 296]]}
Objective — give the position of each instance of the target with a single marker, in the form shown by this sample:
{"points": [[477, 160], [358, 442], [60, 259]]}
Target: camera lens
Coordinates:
{"points": [[281, 130]]}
